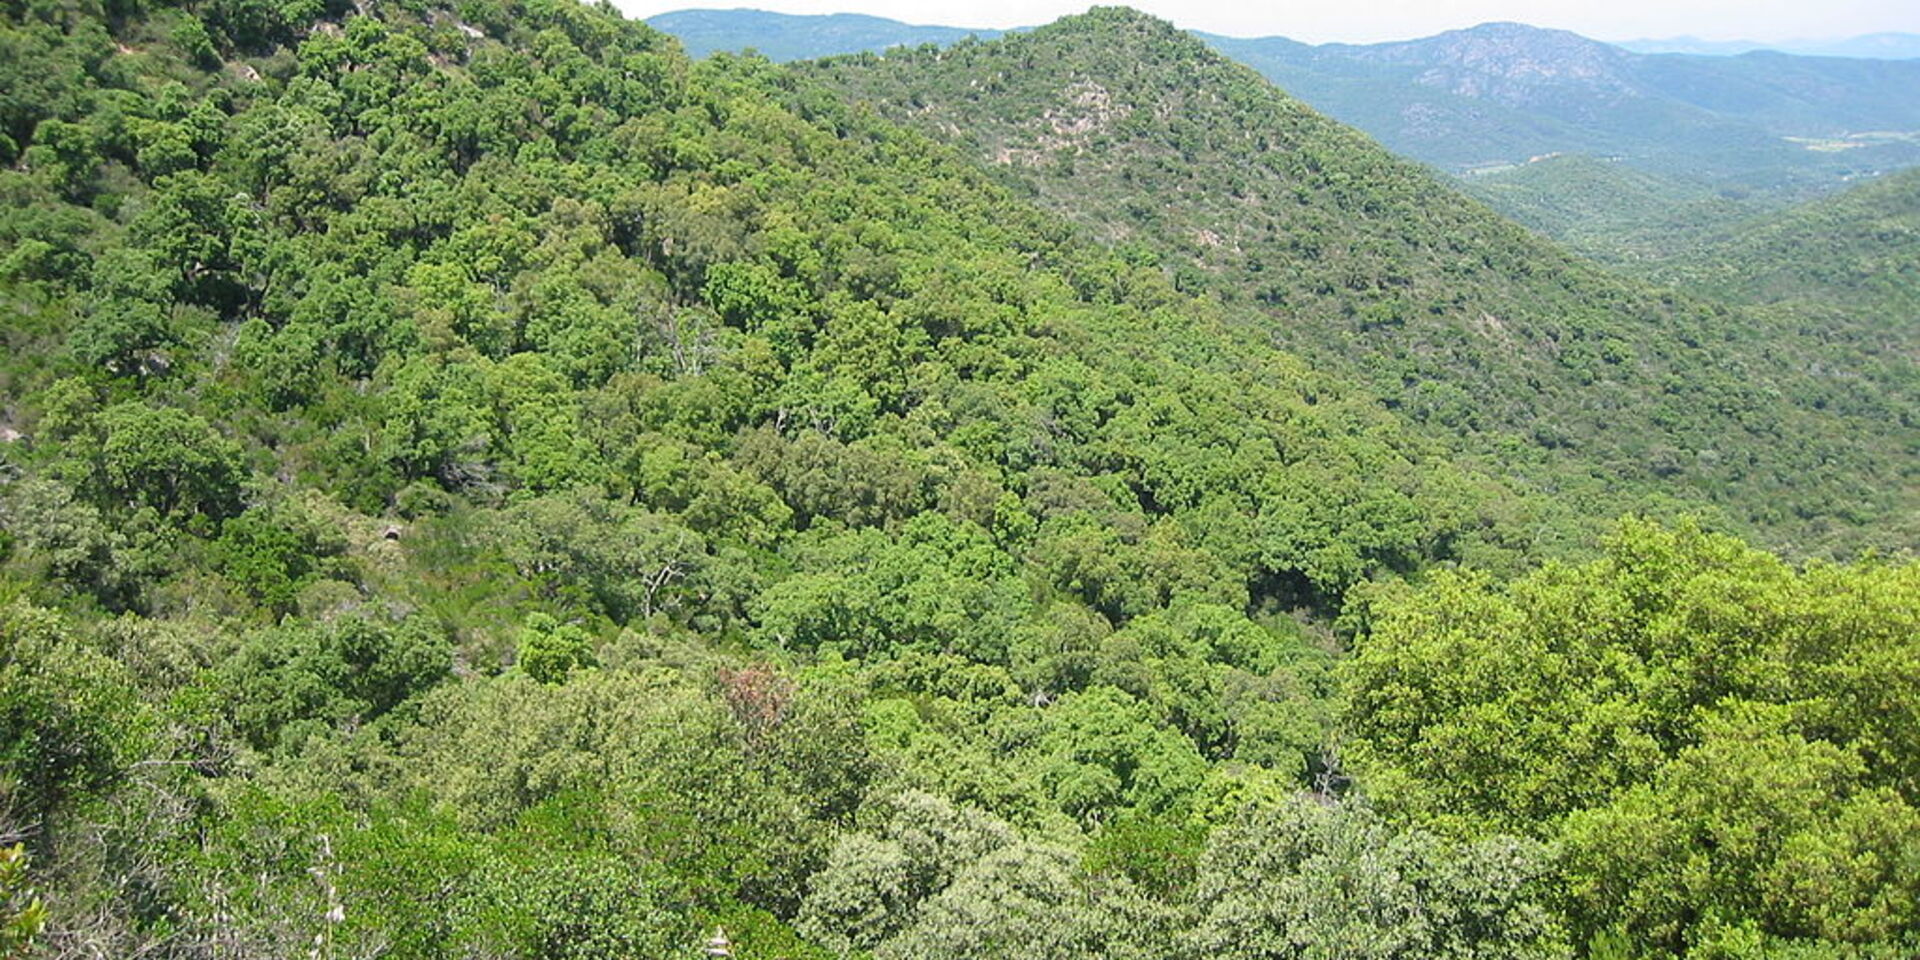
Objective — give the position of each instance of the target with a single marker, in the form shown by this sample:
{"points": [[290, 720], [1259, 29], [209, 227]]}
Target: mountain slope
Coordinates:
{"points": [[1610, 211], [475, 483], [1859, 250], [1367, 263]]}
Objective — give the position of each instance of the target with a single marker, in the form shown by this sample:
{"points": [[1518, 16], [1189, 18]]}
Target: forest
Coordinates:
{"points": [[478, 483]]}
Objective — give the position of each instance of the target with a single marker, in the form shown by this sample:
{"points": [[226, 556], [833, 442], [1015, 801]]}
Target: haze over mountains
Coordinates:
{"points": [[1504, 93], [1881, 46], [783, 36]]}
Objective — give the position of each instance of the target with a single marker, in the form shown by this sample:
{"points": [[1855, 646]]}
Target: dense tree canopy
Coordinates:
{"points": [[1723, 745], [476, 483]]}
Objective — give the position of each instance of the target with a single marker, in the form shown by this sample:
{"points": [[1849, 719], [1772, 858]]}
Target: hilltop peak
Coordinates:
{"points": [[1115, 22], [1515, 30]]}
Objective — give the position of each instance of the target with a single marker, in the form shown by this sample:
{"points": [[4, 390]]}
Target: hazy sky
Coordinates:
{"points": [[1320, 21]]}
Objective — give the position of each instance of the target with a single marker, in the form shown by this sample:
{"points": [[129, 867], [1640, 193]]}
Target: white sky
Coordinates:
{"points": [[1361, 21]]}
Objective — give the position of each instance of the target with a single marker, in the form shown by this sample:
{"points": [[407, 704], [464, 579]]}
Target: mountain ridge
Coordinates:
{"points": [[1502, 93], [1356, 258], [1880, 45]]}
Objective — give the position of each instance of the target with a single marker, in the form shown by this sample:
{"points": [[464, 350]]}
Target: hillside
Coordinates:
{"points": [[1859, 250], [481, 484], [1610, 211], [475, 483], [1585, 384]]}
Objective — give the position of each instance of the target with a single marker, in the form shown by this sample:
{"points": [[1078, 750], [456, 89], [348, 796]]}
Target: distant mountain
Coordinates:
{"points": [[1881, 46], [1694, 46], [1504, 93], [781, 37]]}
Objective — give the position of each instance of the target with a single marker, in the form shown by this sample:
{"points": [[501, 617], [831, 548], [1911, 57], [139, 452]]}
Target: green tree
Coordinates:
{"points": [[549, 649], [296, 681], [874, 880], [1033, 900], [1309, 879], [22, 913], [167, 459], [1754, 829], [71, 719]]}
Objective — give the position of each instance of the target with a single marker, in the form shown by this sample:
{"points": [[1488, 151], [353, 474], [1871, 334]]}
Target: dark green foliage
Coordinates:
{"points": [[1160, 855], [287, 683], [70, 718], [272, 553], [167, 459], [477, 483]]}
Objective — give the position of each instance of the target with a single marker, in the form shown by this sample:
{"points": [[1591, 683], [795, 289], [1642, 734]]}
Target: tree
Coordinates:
{"points": [[623, 562], [22, 913], [288, 683], [167, 459], [1756, 829], [549, 650], [71, 719], [1100, 752], [63, 536], [1315, 881], [1717, 737], [272, 552], [578, 907], [875, 880], [1032, 900]]}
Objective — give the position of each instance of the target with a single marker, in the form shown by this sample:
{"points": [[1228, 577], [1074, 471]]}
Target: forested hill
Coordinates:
{"points": [[1859, 250], [1594, 387], [478, 483], [1615, 213], [475, 483]]}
